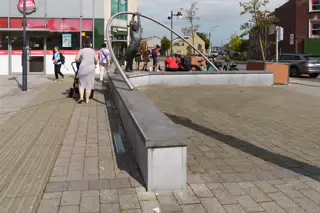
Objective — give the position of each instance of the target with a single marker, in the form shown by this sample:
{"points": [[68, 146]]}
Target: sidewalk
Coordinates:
{"points": [[31, 138], [12, 98]]}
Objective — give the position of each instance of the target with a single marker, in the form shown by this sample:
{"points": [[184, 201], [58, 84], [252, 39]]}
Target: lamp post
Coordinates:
{"points": [[25, 52], [210, 48], [179, 15]]}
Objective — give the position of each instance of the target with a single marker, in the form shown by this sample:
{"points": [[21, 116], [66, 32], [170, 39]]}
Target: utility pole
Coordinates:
{"points": [[25, 51], [210, 49], [171, 32]]}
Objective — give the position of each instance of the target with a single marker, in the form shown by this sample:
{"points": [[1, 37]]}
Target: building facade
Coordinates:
{"points": [[63, 23], [181, 47], [300, 20], [153, 42]]}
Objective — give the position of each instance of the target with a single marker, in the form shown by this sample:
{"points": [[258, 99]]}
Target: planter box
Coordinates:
{"points": [[280, 72], [255, 65]]}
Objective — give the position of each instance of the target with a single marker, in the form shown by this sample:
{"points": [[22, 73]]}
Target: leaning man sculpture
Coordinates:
{"points": [[135, 36]]}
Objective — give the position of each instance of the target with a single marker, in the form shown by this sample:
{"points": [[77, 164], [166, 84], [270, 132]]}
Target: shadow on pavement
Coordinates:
{"points": [[16, 80], [244, 146]]}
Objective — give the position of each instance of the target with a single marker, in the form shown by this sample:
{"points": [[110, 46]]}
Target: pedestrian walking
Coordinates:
{"points": [[86, 73], [156, 59], [145, 55], [104, 61], [58, 61]]}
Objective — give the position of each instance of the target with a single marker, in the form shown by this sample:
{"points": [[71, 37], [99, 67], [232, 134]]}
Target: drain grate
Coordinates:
{"points": [[118, 143]]}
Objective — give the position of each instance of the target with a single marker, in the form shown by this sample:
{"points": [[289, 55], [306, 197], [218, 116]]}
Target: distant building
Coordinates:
{"points": [[153, 42], [301, 22], [181, 47]]}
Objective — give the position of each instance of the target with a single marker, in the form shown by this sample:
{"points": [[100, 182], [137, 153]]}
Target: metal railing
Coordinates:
{"points": [[109, 43]]}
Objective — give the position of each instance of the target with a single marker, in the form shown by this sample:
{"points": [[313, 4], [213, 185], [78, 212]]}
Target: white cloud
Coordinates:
{"points": [[224, 13]]}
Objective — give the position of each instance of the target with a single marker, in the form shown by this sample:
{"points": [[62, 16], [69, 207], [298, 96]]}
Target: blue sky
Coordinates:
{"points": [[222, 13]]}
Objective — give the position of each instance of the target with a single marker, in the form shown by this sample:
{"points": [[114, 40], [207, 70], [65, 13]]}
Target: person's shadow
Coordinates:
{"points": [[16, 80]]}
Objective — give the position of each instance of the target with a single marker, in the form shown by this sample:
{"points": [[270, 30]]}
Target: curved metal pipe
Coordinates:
{"points": [[151, 19]]}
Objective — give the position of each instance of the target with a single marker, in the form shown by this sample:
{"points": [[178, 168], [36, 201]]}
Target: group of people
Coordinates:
{"points": [[87, 59], [143, 56]]}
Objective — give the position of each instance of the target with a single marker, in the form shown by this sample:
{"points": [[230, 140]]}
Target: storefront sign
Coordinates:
{"points": [[69, 25], [66, 40], [292, 39], [30, 6], [119, 31]]}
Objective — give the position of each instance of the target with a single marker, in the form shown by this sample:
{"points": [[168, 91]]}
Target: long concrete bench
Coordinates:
{"points": [[159, 146], [241, 78]]}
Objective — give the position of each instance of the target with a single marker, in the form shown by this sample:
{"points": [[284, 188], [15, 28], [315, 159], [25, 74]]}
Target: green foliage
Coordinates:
{"points": [[238, 44], [205, 38], [260, 20], [189, 50], [200, 48], [165, 44], [190, 14]]}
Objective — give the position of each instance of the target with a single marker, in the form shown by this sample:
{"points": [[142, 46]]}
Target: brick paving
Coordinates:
{"points": [[29, 143], [253, 149]]}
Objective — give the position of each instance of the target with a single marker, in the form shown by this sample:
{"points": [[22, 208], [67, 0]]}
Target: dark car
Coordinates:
{"points": [[301, 64]]}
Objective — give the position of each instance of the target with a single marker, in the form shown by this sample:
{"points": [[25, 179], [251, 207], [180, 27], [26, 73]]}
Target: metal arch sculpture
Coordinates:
{"points": [[108, 29]]}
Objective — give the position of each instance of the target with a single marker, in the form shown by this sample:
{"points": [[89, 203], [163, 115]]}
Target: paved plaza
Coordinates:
{"points": [[252, 150]]}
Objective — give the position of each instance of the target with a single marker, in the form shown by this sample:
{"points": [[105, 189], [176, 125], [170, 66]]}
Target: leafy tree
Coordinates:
{"points": [[205, 38], [189, 50], [260, 20], [200, 48], [238, 44], [191, 17], [165, 44]]}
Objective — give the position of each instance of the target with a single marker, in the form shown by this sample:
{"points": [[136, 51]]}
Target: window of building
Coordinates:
{"points": [[4, 38], [314, 29], [118, 6], [314, 5], [69, 34]]}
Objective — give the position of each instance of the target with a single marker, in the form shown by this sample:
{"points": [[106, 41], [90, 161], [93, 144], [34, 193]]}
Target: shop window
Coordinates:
{"points": [[3, 22], [66, 41], [68, 34], [314, 5], [314, 29], [4, 38], [17, 42]]}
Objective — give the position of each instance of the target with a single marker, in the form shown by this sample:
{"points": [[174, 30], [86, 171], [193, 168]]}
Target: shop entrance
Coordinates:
{"points": [[119, 48], [36, 45], [37, 56]]}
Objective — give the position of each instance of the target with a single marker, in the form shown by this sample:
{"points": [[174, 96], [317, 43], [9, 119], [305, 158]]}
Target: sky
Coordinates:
{"points": [[222, 13]]}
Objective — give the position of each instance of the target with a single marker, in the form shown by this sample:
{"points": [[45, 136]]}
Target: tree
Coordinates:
{"points": [[260, 20], [165, 44], [238, 44], [191, 17], [200, 48], [189, 50], [205, 38]]}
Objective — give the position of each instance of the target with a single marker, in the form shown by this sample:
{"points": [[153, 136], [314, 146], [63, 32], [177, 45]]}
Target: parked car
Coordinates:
{"points": [[215, 53], [301, 64]]}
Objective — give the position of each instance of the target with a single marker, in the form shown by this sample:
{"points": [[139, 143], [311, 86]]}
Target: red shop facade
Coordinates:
{"points": [[42, 36]]}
